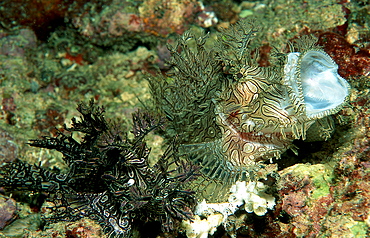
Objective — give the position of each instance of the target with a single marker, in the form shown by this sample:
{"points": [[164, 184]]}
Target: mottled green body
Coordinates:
{"points": [[232, 115]]}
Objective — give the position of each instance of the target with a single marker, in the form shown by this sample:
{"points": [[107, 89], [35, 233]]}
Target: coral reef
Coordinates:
{"points": [[109, 179], [8, 147], [37, 78], [42, 16], [351, 60], [53, 54], [16, 45], [284, 20], [122, 24], [25, 218], [84, 228], [318, 207], [49, 119], [8, 210], [302, 185], [233, 115]]}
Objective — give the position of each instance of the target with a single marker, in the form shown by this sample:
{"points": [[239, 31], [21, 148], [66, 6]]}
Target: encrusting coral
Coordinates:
{"points": [[109, 179], [233, 115], [229, 116]]}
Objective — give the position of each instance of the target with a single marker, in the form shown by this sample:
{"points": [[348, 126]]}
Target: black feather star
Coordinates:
{"points": [[109, 178]]}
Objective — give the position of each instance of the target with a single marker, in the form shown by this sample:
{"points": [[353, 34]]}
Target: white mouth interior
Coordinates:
{"points": [[323, 88]]}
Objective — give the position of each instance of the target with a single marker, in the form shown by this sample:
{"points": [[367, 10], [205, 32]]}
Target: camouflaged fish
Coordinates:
{"points": [[232, 115]]}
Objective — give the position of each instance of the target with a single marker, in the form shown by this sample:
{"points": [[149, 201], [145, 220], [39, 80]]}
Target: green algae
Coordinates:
{"points": [[359, 229], [321, 175]]}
